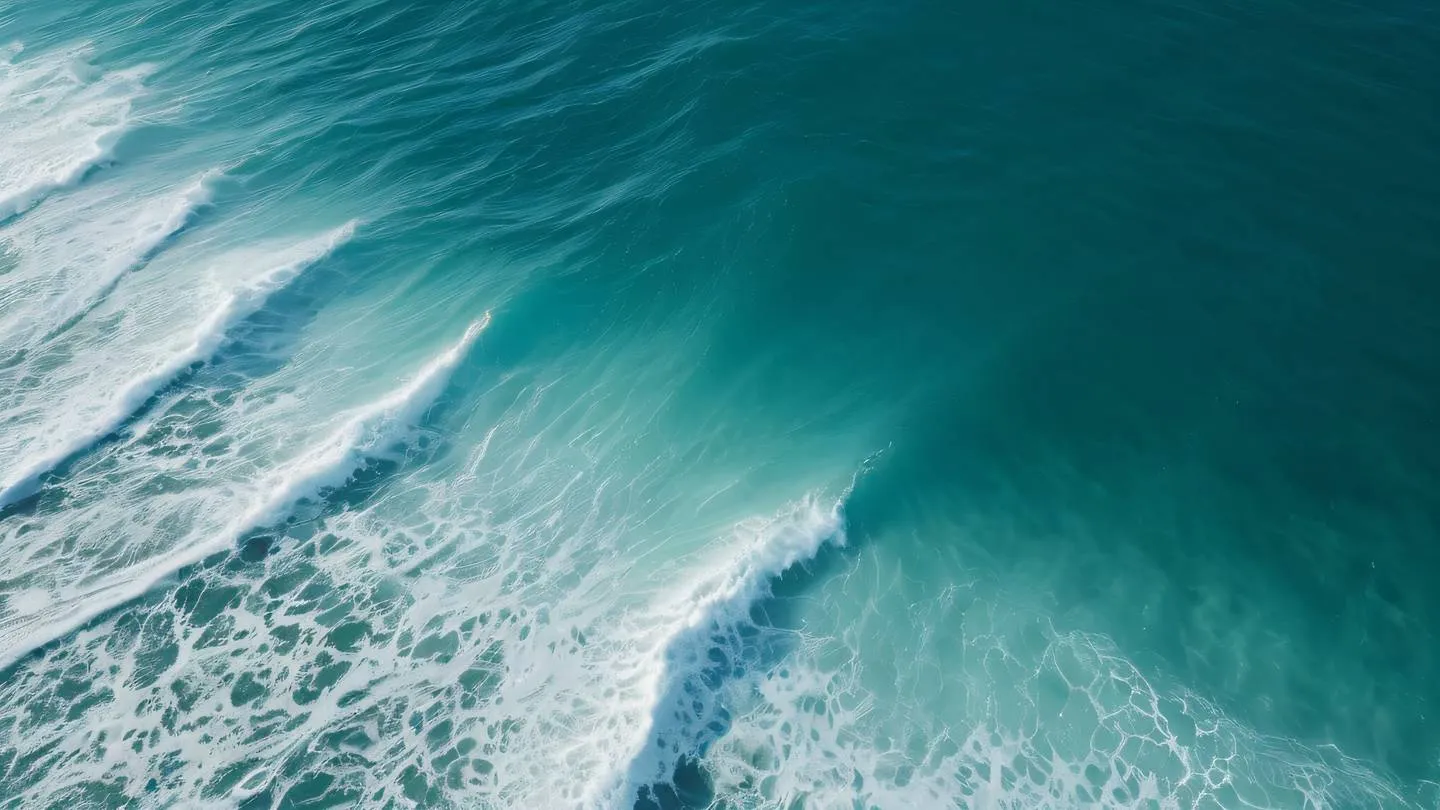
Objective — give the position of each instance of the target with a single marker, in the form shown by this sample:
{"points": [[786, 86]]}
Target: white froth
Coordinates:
{"points": [[139, 240], [466, 644], [28, 601], [370, 431], [683, 634], [365, 434], [69, 256], [207, 338], [57, 122]]}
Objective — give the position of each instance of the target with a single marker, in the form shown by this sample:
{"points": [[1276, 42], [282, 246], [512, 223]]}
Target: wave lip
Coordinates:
{"points": [[715, 609], [209, 336], [366, 434], [196, 196], [370, 431], [57, 123]]}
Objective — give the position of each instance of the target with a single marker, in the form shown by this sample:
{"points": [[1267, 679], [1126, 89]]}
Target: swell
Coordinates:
{"points": [[372, 431], [208, 337], [707, 646], [194, 198]]}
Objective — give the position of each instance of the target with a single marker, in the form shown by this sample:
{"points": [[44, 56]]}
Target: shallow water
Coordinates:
{"points": [[742, 406]]}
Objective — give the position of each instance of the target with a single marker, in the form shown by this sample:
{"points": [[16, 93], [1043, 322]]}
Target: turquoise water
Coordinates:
{"points": [[750, 405]]}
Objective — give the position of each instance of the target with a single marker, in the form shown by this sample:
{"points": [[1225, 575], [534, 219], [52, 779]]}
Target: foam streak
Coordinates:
{"points": [[209, 336], [154, 237], [370, 431], [57, 124]]}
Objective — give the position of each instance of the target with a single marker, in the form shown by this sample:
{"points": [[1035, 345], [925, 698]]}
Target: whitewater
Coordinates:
{"points": [[631, 406]]}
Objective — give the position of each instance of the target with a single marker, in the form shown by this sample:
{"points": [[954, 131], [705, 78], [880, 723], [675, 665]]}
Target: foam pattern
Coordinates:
{"points": [[431, 627], [462, 624], [40, 450], [59, 119], [706, 638], [70, 255], [995, 708], [406, 663]]}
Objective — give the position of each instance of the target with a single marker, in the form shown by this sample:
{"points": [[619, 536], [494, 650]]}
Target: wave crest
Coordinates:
{"points": [[208, 337], [706, 644], [58, 121]]}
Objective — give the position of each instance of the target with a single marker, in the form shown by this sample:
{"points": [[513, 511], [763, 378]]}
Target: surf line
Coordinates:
{"points": [[369, 431], [208, 337]]}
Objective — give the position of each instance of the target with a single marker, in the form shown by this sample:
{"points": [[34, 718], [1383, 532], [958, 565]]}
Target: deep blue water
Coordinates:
{"points": [[735, 405]]}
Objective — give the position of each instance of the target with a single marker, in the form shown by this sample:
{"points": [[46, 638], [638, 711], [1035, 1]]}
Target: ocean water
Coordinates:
{"points": [[627, 404]]}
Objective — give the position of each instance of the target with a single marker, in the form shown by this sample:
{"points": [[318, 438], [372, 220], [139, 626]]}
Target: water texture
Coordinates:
{"points": [[652, 405]]}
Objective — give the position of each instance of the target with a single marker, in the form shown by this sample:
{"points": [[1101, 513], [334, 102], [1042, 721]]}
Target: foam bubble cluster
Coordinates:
{"points": [[996, 708]]}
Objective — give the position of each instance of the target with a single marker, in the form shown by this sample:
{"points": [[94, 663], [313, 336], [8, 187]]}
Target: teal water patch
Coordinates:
{"points": [[1102, 337]]}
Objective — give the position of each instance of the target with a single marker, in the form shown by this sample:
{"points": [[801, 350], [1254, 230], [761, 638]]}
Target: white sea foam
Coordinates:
{"points": [[367, 433], [989, 706], [371, 431], [58, 120], [708, 614], [68, 257], [481, 687], [208, 337], [145, 236]]}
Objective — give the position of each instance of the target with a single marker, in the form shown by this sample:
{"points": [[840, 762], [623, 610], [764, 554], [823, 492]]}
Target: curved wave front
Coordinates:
{"points": [[208, 337], [370, 432], [685, 712], [57, 123]]}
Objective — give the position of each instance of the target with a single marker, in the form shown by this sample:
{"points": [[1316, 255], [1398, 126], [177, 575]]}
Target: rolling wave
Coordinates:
{"points": [[682, 709], [370, 432], [57, 123], [209, 336], [367, 434], [152, 238]]}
